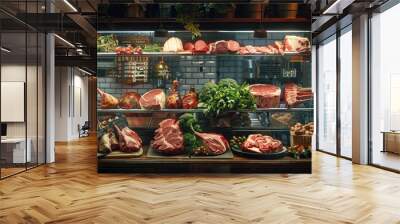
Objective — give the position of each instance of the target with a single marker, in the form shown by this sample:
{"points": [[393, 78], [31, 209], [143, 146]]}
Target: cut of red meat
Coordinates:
{"points": [[153, 99], [221, 47], [233, 46], [169, 138], [188, 46], [107, 101], [200, 46], [211, 48], [267, 96], [280, 47], [251, 49], [216, 144], [243, 51], [130, 100], [296, 44], [261, 144], [129, 141], [294, 95]]}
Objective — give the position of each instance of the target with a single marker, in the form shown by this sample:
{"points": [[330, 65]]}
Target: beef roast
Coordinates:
{"points": [[200, 46], [153, 99], [233, 46], [261, 144], [221, 47], [130, 100], [215, 144], [188, 46], [107, 101], [129, 141], [169, 138], [294, 95], [266, 95], [296, 44]]}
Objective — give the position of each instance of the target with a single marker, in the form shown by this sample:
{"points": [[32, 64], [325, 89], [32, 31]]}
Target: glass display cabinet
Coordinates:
{"points": [[226, 94]]}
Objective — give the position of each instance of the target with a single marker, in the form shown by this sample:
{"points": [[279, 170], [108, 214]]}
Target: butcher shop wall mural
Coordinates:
{"points": [[177, 98]]}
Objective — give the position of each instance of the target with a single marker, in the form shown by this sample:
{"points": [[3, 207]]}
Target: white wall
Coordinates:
{"points": [[71, 102]]}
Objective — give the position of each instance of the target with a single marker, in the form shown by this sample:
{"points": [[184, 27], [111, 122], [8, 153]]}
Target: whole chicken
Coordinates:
{"points": [[174, 99], [107, 101], [129, 141]]}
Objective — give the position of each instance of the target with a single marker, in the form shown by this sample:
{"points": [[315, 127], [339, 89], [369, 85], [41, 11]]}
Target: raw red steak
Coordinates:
{"points": [[129, 141], [261, 144], [169, 138], [294, 95], [233, 46], [200, 46], [153, 99], [188, 46], [267, 96], [216, 144]]}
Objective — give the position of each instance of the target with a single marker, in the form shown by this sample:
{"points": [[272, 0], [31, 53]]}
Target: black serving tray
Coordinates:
{"points": [[274, 155]]}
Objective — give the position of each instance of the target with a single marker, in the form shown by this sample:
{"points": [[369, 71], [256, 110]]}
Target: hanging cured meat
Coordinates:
{"points": [[130, 100], [190, 100], [174, 99], [107, 101]]}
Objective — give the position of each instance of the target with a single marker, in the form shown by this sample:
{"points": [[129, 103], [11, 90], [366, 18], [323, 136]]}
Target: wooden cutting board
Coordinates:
{"points": [[120, 155]]}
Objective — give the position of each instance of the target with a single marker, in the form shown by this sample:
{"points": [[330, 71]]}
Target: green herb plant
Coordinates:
{"points": [[226, 96]]}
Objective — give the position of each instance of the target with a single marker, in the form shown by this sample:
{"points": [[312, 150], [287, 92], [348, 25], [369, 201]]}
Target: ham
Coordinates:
{"points": [[215, 144], [294, 95], [221, 47], [266, 95], [107, 101], [261, 144], [174, 99], [233, 46], [130, 100], [201, 46], [153, 99], [169, 138], [129, 141], [296, 44], [190, 100]]}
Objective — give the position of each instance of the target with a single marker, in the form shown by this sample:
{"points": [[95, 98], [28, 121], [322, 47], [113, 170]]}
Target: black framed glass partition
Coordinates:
{"points": [[385, 88], [22, 66], [334, 100], [326, 87]]}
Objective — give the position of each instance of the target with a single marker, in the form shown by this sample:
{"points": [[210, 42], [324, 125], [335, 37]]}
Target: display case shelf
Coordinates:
{"points": [[258, 110], [173, 54]]}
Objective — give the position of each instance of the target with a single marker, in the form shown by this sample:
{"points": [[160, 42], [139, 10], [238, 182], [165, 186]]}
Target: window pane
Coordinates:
{"points": [[346, 94], [327, 96], [385, 83]]}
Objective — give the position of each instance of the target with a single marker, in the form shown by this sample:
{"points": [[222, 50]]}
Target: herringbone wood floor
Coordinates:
{"points": [[71, 191]]}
